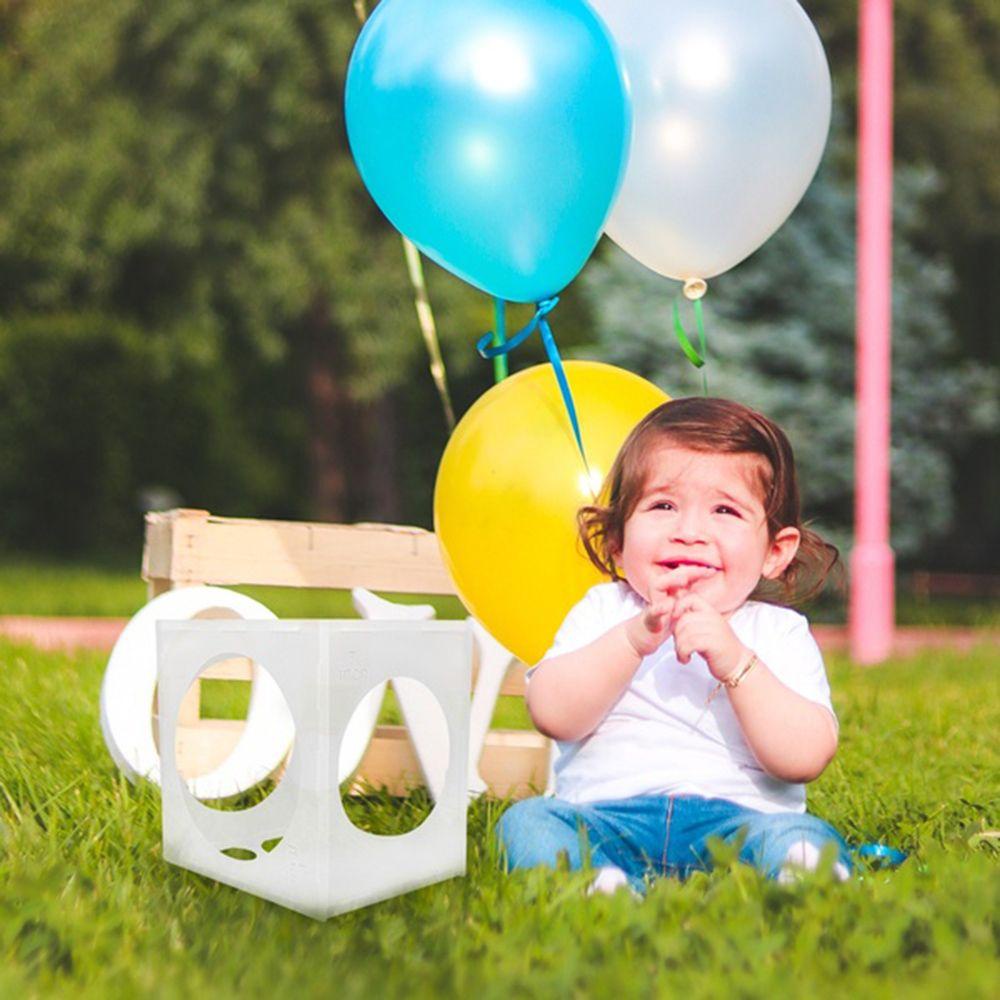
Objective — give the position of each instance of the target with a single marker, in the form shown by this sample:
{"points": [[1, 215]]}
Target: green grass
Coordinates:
{"points": [[89, 908], [32, 587], [29, 587]]}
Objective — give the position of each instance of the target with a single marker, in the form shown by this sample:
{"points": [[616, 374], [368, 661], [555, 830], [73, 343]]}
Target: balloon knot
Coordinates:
{"points": [[695, 288], [542, 309], [546, 306]]}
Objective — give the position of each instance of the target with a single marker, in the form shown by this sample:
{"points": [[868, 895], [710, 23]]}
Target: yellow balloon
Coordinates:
{"points": [[510, 483]]}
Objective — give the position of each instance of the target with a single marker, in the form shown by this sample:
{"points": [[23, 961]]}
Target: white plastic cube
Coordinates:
{"points": [[324, 865]]}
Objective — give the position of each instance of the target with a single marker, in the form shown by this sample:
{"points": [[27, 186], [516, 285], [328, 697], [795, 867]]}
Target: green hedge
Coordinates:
{"points": [[93, 414]]}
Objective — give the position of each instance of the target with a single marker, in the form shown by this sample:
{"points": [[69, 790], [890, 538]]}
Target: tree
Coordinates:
{"points": [[947, 98], [947, 119], [781, 338], [91, 418], [184, 169]]}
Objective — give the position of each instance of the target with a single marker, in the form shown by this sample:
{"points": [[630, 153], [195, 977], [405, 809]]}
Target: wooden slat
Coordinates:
{"points": [[190, 547], [204, 745], [157, 551], [514, 762], [390, 760], [513, 682], [194, 546], [239, 668], [190, 708]]}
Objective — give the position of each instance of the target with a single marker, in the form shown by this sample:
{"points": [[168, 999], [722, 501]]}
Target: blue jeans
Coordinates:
{"points": [[652, 835]]}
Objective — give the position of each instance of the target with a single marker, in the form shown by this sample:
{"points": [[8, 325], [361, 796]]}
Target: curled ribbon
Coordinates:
{"points": [[698, 360], [539, 322]]}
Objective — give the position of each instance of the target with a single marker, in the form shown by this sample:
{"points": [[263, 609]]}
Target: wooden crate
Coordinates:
{"points": [[186, 548]]}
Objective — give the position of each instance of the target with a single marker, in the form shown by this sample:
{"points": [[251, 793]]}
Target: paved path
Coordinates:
{"points": [[63, 633], [101, 633]]}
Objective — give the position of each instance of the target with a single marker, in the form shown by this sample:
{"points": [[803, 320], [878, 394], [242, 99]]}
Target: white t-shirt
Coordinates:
{"points": [[659, 738]]}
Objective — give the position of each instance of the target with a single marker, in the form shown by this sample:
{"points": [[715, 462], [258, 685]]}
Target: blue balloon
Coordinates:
{"points": [[493, 133]]}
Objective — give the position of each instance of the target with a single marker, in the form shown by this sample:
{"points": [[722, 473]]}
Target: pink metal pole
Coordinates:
{"points": [[872, 604]]}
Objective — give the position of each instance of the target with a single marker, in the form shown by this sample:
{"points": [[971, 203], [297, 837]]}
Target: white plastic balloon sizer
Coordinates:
{"points": [[297, 847]]}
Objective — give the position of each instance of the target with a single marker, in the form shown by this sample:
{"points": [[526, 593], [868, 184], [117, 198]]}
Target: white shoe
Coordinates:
{"points": [[608, 881]]}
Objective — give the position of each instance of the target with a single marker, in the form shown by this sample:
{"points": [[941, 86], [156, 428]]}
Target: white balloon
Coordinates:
{"points": [[731, 105]]}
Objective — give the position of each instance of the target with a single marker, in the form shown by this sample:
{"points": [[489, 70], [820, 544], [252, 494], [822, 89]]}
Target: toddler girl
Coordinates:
{"points": [[685, 708]]}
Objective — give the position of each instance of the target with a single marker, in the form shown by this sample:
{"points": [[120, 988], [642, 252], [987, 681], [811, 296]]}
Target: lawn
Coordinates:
{"points": [[34, 587], [88, 907]]}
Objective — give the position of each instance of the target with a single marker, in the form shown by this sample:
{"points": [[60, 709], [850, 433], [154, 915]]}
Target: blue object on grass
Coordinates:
{"points": [[882, 854]]}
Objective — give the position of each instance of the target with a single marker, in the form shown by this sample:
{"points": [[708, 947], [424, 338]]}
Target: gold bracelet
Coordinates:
{"points": [[733, 680]]}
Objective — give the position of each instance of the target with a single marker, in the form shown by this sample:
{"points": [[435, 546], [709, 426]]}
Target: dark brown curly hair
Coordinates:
{"points": [[718, 425]]}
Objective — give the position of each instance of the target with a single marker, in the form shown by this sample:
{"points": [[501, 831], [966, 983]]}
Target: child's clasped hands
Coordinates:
{"points": [[696, 626]]}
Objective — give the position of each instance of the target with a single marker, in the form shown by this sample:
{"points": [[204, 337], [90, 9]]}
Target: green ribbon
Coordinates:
{"points": [[500, 369], [696, 358]]}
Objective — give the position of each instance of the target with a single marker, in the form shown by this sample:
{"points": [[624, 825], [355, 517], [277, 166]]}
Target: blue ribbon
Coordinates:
{"points": [[539, 322]]}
